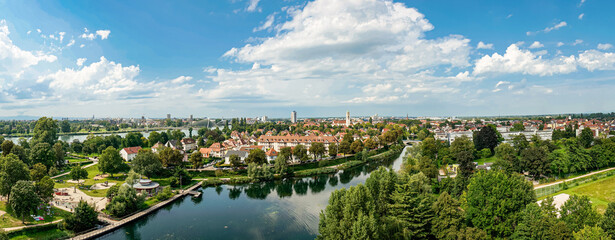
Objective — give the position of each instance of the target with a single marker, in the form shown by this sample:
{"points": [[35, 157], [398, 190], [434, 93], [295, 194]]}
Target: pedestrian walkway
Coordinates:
{"points": [[30, 226], [117, 224], [66, 173], [574, 178]]}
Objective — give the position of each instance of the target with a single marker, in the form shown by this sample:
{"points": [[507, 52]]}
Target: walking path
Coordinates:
{"points": [[113, 225], [86, 166], [567, 180], [30, 226]]}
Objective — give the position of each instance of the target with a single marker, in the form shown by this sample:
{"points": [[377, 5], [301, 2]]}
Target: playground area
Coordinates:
{"points": [[67, 199]]}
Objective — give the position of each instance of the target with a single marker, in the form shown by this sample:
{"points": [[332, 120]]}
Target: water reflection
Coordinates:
{"points": [[284, 209]]}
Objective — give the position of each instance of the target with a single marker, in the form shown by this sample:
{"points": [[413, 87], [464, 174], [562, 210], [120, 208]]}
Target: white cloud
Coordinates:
{"points": [[80, 61], [104, 34], [604, 46], [330, 45], [509, 16], [13, 59], [581, 16], [516, 60], [581, 3], [559, 44], [82, 45], [596, 60], [88, 36], [482, 45], [577, 42], [71, 42], [252, 5], [536, 44], [549, 29], [103, 78], [181, 79], [267, 24], [62, 36]]}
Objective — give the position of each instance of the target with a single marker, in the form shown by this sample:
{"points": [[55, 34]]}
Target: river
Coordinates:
{"points": [[287, 209]]}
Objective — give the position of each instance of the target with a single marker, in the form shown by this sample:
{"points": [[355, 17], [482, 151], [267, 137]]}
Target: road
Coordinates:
{"points": [[567, 180]]}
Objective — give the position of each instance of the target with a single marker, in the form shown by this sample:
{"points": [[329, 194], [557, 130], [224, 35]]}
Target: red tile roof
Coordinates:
{"points": [[132, 150]]}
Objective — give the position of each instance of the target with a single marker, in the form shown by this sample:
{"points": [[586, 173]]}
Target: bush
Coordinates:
{"points": [[165, 194]]}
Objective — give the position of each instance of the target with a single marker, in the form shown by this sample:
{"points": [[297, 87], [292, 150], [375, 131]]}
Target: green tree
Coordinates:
{"points": [[356, 146], [487, 137], [586, 138], [462, 151], [170, 157], [317, 149], [125, 202], [77, 173], [370, 144], [494, 200], [83, 218], [536, 161], [591, 233], [24, 200], [12, 170], [110, 161], [256, 156], [45, 131], [59, 154], [38, 172], [300, 152], [411, 212], [520, 143], [65, 126], [155, 137], [21, 152], [280, 166], [196, 158], [344, 147], [42, 153], [608, 220], [147, 163], [6, 147], [517, 127], [577, 212], [448, 217], [234, 160], [333, 149], [44, 188], [506, 158], [286, 153]]}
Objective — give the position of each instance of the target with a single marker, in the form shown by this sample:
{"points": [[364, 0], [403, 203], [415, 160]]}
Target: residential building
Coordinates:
{"points": [[129, 153], [271, 154], [293, 117], [188, 144], [242, 155], [278, 142]]}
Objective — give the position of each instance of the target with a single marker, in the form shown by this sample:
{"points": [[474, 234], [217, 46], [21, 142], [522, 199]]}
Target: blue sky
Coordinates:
{"points": [[247, 58]]}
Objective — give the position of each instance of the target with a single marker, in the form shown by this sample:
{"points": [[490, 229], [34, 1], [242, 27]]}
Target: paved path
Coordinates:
{"points": [[567, 180], [113, 225], [86, 166], [30, 226]]}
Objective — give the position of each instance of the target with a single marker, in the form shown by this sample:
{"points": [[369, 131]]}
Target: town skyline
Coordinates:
{"points": [[521, 58]]}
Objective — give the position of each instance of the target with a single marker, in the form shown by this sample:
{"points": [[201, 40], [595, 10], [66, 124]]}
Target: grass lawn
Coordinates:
{"points": [[8, 220], [486, 160], [600, 192], [40, 234], [85, 187]]}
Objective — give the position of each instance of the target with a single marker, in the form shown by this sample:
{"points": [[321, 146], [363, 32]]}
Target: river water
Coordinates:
{"points": [[287, 209]]}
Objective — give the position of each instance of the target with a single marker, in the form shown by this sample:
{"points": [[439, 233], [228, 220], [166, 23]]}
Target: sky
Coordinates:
{"points": [[249, 58]]}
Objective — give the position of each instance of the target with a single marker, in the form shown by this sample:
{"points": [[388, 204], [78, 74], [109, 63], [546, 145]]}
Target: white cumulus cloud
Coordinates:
{"points": [[537, 44], [516, 60], [604, 46], [13, 59], [482, 45]]}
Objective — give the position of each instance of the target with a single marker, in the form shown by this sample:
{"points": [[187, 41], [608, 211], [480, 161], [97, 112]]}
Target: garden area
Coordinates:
{"points": [[7, 219], [601, 191]]}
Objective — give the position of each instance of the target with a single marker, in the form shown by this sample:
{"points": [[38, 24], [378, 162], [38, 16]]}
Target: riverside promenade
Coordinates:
{"points": [[115, 225]]}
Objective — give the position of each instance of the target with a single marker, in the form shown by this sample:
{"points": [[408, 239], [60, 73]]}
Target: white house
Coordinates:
{"points": [[242, 156], [189, 144], [129, 153]]}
